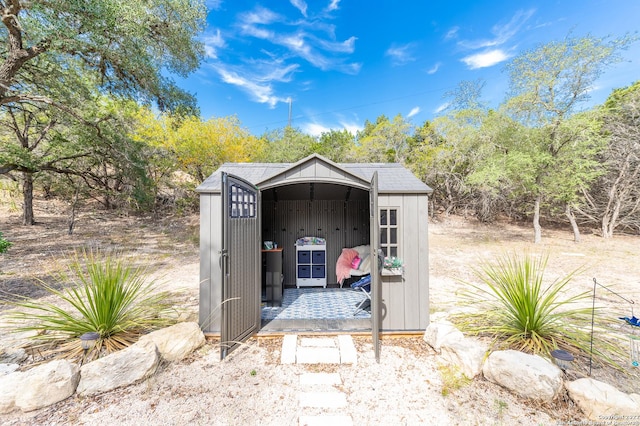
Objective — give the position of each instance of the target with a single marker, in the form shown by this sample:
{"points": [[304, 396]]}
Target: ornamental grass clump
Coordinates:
{"points": [[519, 311], [103, 293]]}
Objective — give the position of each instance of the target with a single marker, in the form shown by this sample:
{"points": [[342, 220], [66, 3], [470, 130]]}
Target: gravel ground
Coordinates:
{"points": [[251, 387]]}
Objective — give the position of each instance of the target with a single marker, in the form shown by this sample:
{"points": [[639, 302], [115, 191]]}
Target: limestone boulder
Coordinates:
{"points": [[8, 369], [439, 333], [529, 376], [9, 385], [468, 354], [122, 368], [11, 355], [47, 384], [598, 400], [177, 341]]}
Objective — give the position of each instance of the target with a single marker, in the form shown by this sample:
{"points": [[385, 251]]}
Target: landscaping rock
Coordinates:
{"points": [[9, 386], [46, 384], [467, 354], [597, 399], [439, 333], [8, 369], [12, 355], [177, 341], [530, 376], [122, 368]]}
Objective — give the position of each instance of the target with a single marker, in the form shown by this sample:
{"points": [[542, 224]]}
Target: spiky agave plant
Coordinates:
{"points": [[101, 292], [519, 311]]}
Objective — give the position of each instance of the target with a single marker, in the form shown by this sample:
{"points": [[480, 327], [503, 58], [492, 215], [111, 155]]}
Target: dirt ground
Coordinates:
{"points": [[408, 386]]}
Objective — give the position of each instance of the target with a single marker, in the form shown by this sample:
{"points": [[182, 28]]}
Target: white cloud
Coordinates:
{"points": [[434, 69], [280, 48], [353, 128], [257, 32], [333, 5], [485, 59], [452, 33], [413, 112], [441, 108], [262, 93], [317, 129], [301, 6], [259, 15], [314, 129], [400, 55], [502, 33], [213, 4], [300, 45], [274, 72], [352, 68], [212, 43], [347, 46]]}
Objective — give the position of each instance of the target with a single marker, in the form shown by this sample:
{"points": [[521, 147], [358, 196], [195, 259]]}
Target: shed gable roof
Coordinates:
{"points": [[392, 177]]}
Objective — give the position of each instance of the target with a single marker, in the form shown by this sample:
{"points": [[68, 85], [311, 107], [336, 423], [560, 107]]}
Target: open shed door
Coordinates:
{"points": [[376, 294], [240, 257]]}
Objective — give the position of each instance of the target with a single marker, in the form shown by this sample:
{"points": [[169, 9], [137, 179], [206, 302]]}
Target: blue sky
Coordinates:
{"points": [[342, 62]]}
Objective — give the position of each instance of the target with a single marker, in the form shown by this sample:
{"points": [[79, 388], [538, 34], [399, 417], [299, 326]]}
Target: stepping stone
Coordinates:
{"points": [[320, 379], [314, 355], [318, 342], [288, 354], [323, 399], [348, 353], [325, 421]]}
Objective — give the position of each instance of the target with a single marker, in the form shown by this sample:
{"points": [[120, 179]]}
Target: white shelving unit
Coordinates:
{"points": [[311, 266]]}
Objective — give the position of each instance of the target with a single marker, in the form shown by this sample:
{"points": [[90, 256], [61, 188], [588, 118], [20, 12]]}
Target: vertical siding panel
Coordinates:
{"points": [[205, 262], [335, 237], [386, 303], [394, 292], [411, 251], [287, 211], [423, 277], [210, 268], [216, 262]]}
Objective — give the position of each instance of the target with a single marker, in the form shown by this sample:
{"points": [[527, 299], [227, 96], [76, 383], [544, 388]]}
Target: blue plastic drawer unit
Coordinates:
{"points": [[311, 268], [304, 257], [317, 271], [304, 271], [317, 257]]}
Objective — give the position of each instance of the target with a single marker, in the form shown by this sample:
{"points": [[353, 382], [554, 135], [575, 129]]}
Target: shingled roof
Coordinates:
{"points": [[392, 177]]}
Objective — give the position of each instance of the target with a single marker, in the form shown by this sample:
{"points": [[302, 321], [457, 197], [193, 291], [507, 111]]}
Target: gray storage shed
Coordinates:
{"points": [[243, 204]]}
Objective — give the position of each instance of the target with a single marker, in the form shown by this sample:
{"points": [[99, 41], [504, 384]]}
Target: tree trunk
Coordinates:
{"points": [[105, 184], [574, 224], [27, 196], [72, 217], [612, 220], [537, 229]]}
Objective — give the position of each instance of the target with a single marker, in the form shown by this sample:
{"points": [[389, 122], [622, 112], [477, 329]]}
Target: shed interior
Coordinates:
{"points": [[337, 213]]}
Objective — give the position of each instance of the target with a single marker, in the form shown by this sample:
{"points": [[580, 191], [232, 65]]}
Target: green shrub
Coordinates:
{"points": [[520, 312], [4, 244], [102, 293]]}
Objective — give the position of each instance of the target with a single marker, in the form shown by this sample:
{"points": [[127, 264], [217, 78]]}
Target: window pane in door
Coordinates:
{"points": [[383, 236], [393, 235], [393, 220], [383, 217]]}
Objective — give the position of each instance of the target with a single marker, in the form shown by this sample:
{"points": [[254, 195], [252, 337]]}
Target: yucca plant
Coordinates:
{"points": [[103, 293], [519, 311]]}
